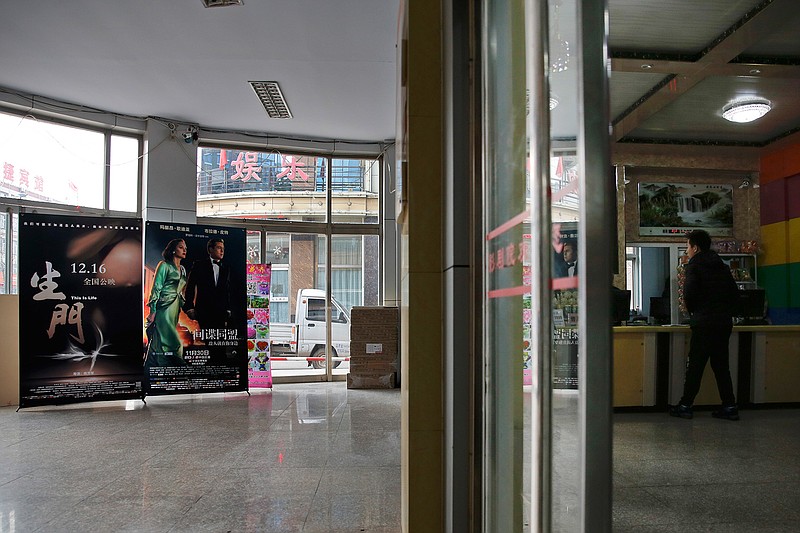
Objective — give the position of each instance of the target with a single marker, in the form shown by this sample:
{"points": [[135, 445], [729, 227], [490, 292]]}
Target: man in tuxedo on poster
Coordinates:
{"points": [[208, 288], [570, 255]]}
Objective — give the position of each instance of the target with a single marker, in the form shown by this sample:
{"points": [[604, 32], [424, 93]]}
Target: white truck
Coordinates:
{"points": [[306, 336]]}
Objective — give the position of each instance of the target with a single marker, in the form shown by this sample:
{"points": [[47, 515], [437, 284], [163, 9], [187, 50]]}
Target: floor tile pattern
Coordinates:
{"points": [[303, 457], [705, 474]]}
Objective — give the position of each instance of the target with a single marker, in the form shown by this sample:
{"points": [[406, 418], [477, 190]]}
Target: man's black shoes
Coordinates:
{"points": [[730, 412], [681, 411]]}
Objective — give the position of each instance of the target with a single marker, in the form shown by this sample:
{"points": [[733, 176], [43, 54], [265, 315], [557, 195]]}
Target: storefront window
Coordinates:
{"points": [[48, 162], [235, 183], [124, 174], [354, 190]]}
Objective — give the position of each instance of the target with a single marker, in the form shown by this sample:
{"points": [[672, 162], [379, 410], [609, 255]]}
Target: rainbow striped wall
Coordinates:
{"points": [[779, 265]]}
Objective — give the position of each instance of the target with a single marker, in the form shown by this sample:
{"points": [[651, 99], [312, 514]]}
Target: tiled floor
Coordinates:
{"points": [[322, 458], [674, 475], [302, 458]]}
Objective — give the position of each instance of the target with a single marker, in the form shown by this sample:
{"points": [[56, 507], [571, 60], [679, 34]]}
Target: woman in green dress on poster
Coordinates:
{"points": [[166, 299]]}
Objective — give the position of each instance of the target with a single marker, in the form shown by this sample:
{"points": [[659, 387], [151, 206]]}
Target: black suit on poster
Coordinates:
{"points": [[209, 300]]}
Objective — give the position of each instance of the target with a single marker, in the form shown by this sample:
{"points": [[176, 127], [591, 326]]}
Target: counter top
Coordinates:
{"points": [[685, 327]]}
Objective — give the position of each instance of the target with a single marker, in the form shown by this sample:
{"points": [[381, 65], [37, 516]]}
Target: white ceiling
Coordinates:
{"points": [[335, 61], [675, 64]]}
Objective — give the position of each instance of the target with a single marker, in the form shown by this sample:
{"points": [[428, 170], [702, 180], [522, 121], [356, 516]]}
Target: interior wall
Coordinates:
{"points": [[169, 190], [635, 162], [9, 355], [421, 277], [779, 264], [746, 204]]}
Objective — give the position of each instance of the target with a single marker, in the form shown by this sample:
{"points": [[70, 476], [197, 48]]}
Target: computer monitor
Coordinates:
{"points": [[749, 303], [660, 309], [621, 305]]}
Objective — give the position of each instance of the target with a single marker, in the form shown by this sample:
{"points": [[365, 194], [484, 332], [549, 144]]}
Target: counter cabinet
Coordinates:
{"points": [[649, 364]]}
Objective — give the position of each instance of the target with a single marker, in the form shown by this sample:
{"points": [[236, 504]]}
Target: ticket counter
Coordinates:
{"points": [[649, 363]]}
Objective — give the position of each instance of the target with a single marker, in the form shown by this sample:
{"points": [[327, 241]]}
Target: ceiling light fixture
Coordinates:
{"points": [[222, 3], [647, 66], [746, 110], [269, 92]]}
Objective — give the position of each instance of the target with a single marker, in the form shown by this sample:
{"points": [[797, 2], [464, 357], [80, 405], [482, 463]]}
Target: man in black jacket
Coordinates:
{"points": [[709, 293], [208, 288]]}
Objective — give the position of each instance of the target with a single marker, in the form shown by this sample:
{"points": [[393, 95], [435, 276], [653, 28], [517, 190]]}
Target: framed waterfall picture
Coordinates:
{"points": [[677, 208]]}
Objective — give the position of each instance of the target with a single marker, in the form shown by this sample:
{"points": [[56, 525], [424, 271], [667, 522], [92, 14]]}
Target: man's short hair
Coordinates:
{"points": [[213, 242], [700, 238]]}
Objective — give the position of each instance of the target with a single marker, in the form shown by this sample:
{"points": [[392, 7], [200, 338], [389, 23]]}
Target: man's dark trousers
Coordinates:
{"points": [[709, 342]]}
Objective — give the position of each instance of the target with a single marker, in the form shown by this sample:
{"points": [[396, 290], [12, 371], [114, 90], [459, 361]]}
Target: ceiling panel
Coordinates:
{"points": [[334, 60], [671, 26], [628, 87], [784, 43], [697, 115]]}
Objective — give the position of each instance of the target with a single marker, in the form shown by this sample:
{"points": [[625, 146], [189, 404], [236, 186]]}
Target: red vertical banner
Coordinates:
{"points": [[259, 365]]}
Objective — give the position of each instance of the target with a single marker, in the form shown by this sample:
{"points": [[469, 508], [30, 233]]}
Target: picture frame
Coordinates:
{"points": [[678, 208]]}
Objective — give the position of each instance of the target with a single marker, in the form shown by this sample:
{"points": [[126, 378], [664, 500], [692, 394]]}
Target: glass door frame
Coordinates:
{"points": [[597, 227]]}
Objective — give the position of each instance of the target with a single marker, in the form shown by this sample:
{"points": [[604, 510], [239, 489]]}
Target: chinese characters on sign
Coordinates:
{"points": [[246, 166], [508, 255]]}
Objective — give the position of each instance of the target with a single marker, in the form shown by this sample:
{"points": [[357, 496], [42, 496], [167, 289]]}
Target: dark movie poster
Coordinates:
{"points": [[79, 294], [565, 305], [195, 307]]}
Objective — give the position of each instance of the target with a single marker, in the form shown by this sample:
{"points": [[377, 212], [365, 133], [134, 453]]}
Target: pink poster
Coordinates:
{"points": [[259, 365], [527, 317]]}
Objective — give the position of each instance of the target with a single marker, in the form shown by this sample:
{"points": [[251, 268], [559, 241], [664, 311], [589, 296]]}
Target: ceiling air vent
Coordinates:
{"points": [[222, 3], [272, 98]]}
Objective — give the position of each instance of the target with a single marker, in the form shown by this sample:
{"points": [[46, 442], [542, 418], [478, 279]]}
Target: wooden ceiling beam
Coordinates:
{"points": [[690, 68]]}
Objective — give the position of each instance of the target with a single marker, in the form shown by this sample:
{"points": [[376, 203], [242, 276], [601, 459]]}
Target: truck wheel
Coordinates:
{"points": [[320, 352]]}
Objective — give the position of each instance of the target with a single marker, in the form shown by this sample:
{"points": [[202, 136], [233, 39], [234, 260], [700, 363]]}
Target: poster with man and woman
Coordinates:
{"points": [[565, 305], [194, 309]]}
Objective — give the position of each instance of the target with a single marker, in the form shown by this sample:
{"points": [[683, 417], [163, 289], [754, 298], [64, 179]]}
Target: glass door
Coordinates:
{"points": [[548, 194]]}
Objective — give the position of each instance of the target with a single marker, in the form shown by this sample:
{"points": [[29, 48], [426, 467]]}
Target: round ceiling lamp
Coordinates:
{"points": [[746, 110]]}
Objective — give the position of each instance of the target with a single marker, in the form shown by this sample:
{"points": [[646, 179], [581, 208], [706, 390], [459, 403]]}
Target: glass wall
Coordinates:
{"points": [[294, 205], [286, 187], [58, 167], [53, 163], [124, 173], [8, 253]]}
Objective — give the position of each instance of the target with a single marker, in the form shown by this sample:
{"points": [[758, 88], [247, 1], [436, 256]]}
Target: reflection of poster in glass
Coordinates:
{"points": [[565, 305], [259, 367], [79, 294], [527, 318], [676, 208], [195, 306]]}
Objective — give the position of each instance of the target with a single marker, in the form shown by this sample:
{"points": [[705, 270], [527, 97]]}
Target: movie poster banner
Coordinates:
{"points": [[194, 309], [259, 367], [80, 288], [565, 305]]}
